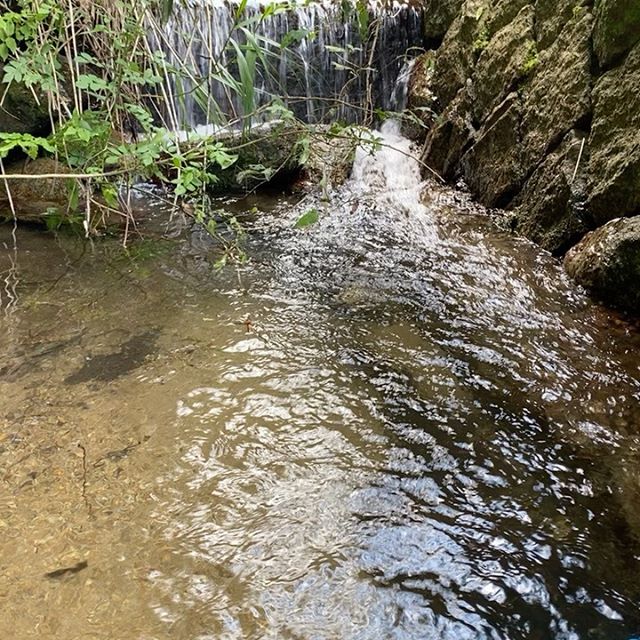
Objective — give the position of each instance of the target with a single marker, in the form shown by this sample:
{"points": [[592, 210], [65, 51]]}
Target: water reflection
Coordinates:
{"points": [[424, 431]]}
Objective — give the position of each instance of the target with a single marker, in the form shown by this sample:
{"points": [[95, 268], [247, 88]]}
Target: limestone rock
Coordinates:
{"points": [[438, 16], [614, 164], [492, 167], [607, 262], [266, 153], [330, 157], [617, 29], [553, 15], [449, 136], [455, 58], [503, 62], [502, 13], [558, 97], [551, 209]]}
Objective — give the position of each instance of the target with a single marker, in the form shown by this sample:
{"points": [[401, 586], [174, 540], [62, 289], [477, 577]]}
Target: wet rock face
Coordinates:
{"points": [[537, 109], [551, 209], [607, 262], [439, 14], [614, 165], [617, 29]]}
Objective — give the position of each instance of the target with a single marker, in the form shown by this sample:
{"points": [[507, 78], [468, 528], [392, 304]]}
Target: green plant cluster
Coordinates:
{"points": [[103, 80], [113, 97]]}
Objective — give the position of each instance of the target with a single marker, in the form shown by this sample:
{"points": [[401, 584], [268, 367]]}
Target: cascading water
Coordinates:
{"points": [[324, 61]]}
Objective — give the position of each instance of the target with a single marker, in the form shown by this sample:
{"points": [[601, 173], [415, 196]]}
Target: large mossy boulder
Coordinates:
{"points": [[607, 262], [44, 196], [265, 153], [279, 154], [36, 199]]}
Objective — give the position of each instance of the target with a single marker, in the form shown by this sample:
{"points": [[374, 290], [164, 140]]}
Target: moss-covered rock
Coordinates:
{"points": [[558, 97], [521, 88], [502, 13], [279, 153], [456, 57], [607, 262], [48, 198], [330, 157], [438, 16], [614, 164], [617, 29], [36, 199], [265, 154], [503, 63], [553, 15], [493, 165], [21, 110], [551, 208]]}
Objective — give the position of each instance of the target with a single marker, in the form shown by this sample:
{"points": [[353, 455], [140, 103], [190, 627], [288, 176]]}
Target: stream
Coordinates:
{"points": [[399, 422]]}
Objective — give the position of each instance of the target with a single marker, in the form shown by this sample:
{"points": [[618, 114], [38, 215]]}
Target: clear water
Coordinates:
{"points": [[396, 423]]}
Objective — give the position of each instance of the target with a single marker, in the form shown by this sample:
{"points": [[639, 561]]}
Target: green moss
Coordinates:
{"points": [[531, 60], [482, 41], [578, 11]]}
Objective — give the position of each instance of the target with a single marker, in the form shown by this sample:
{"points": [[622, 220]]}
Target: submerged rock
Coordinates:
{"points": [[607, 262]]}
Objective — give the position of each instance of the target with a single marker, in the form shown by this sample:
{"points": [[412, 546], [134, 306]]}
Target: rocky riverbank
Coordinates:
{"points": [[536, 106]]}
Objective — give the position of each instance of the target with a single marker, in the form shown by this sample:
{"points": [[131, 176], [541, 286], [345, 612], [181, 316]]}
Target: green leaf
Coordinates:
{"points": [[91, 82], [307, 218], [294, 37], [85, 58], [110, 195]]}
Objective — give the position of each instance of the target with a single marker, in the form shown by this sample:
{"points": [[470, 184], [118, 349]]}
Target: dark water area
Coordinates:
{"points": [[399, 422]]}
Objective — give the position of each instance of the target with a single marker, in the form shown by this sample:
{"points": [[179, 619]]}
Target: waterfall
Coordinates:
{"points": [[323, 61]]}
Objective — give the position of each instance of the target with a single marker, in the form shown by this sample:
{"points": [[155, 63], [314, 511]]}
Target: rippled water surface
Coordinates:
{"points": [[396, 423]]}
